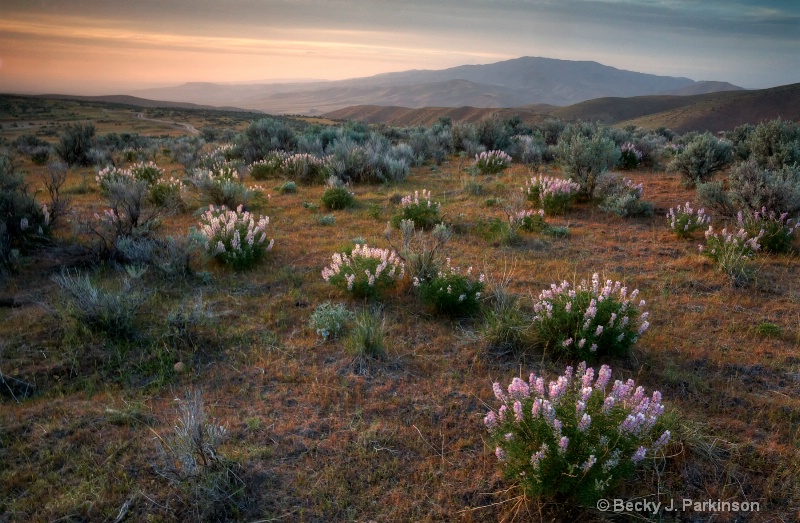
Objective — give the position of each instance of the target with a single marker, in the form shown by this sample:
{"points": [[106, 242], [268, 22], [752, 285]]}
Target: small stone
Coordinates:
{"points": [[178, 367]]}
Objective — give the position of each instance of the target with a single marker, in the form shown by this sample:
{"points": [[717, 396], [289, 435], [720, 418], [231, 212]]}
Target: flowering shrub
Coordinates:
{"points": [[554, 194], [630, 156], [572, 439], [271, 165], [423, 212], [305, 168], [146, 172], [589, 320], [777, 232], [529, 221], [329, 320], [684, 221], [221, 187], [451, 292], [366, 272], [492, 162], [166, 192], [731, 251], [234, 237]]}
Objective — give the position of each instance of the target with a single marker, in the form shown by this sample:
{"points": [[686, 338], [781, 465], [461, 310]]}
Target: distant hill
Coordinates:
{"points": [[704, 87], [426, 116], [134, 101], [511, 83], [704, 112]]}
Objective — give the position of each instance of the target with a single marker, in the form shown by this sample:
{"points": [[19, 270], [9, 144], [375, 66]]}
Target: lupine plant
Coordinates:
{"points": [[365, 272], [235, 238], [451, 292], [270, 165], [554, 194], [630, 156], [777, 230], [221, 187], [422, 211], [492, 162], [304, 168], [731, 252], [529, 221], [683, 220], [589, 320], [571, 439]]}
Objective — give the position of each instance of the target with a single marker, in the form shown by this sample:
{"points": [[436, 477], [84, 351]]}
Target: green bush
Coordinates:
{"points": [[365, 272], [589, 320], [571, 441], [367, 338], [451, 292], [776, 231], [423, 212], [234, 238], [335, 198]]}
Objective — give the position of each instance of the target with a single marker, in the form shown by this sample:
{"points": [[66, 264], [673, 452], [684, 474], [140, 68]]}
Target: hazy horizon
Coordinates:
{"points": [[98, 47]]}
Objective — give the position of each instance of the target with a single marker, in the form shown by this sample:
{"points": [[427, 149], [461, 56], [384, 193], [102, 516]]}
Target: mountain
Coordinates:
{"points": [[511, 83], [720, 111]]}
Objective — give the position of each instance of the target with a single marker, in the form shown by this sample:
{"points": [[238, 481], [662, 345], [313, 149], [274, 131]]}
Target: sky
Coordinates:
{"points": [[97, 47]]}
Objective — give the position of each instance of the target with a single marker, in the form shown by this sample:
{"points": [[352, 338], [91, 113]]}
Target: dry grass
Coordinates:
{"points": [[399, 439]]}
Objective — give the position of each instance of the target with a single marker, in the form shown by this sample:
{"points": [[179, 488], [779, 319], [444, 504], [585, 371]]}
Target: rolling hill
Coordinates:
{"points": [[704, 112]]}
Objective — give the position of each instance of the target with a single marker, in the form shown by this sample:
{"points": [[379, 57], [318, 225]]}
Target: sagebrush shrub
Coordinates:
{"points": [[492, 162], [589, 320], [451, 292], [422, 211], [234, 237], [752, 188], [191, 460], [683, 220], [622, 196], [583, 159], [112, 312], [731, 251], [75, 144], [365, 272], [330, 320], [569, 439], [701, 158], [554, 194], [774, 144]]}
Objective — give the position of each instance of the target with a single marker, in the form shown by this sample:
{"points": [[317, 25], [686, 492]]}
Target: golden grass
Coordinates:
{"points": [[403, 439]]}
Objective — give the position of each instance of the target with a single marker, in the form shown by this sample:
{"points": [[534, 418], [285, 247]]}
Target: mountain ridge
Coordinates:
{"points": [[509, 83]]}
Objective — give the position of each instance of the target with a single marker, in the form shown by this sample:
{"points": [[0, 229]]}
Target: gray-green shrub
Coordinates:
{"points": [[703, 155]]}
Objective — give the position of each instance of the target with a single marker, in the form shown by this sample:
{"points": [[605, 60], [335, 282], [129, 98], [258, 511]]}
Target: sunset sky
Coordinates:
{"points": [[110, 46]]}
